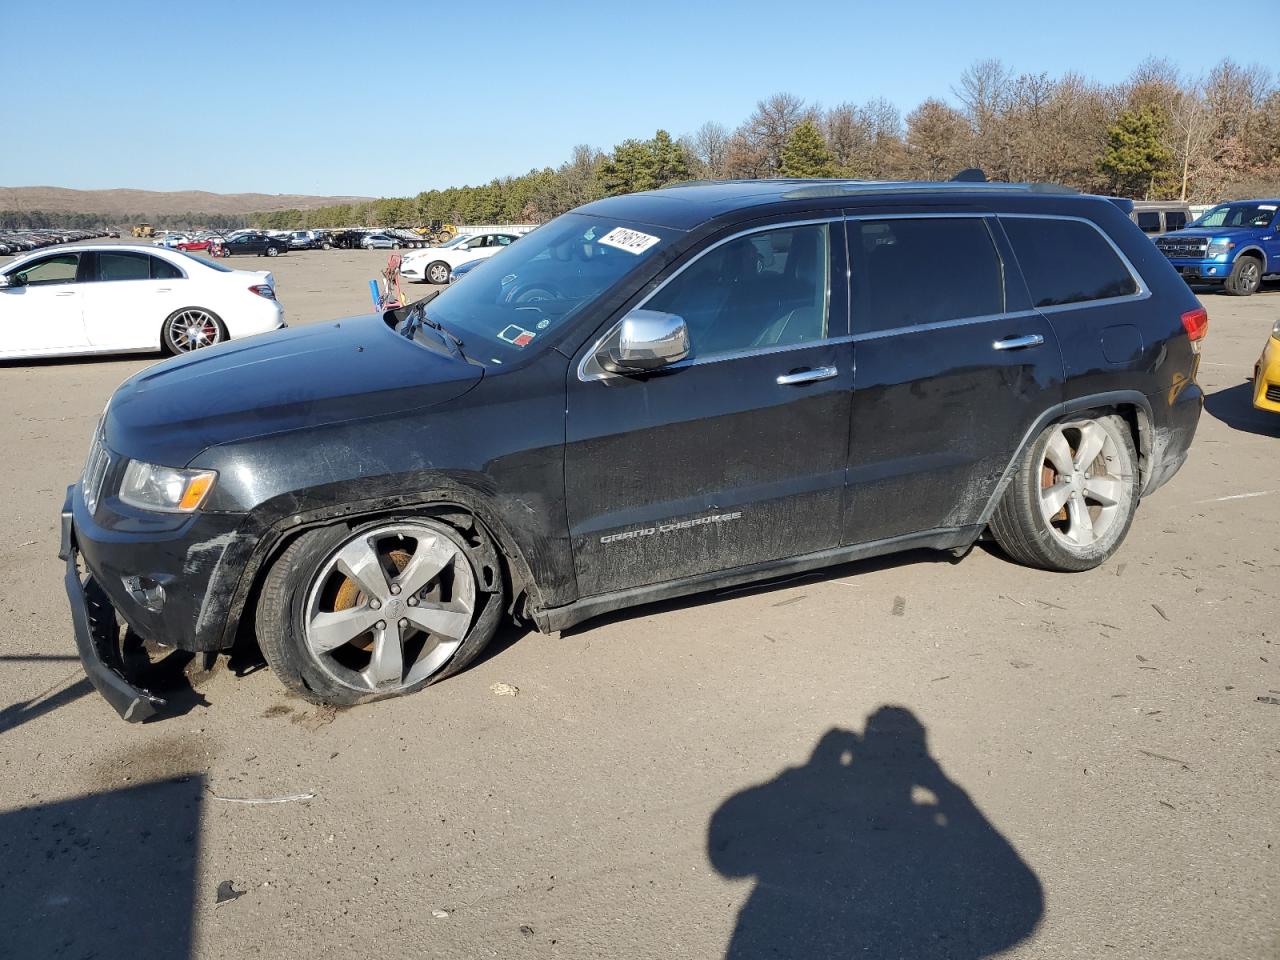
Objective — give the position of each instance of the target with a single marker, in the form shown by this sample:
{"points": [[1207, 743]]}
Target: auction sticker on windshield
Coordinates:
{"points": [[632, 241], [516, 335]]}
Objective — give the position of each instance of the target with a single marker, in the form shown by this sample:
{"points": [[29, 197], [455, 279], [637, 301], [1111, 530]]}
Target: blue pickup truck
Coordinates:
{"points": [[1233, 244]]}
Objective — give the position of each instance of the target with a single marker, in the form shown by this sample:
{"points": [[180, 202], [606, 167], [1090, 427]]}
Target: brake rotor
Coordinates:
{"points": [[1048, 477], [350, 595]]}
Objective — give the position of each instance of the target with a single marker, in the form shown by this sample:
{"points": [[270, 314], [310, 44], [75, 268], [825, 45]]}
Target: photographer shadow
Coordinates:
{"points": [[870, 850]]}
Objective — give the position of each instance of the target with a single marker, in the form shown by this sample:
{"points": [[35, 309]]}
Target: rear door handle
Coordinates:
{"points": [[65, 293], [1018, 343], [163, 290], [807, 376]]}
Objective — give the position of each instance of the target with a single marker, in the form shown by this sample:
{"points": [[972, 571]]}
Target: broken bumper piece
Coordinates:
{"points": [[97, 635]]}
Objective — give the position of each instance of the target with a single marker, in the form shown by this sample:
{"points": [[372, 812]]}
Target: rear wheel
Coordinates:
{"points": [[1073, 498], [192, 328], [349, 615], [273, 251], [1246, 277], [438, 272]]}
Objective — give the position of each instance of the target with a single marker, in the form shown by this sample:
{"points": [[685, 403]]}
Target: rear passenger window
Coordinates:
{"points": [[1067, 261], [768, 289], [124, 266], [1149, 222], [914, 271], [164, 270], [1175, 220]]}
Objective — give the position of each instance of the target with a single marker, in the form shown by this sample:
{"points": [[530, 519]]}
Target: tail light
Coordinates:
{"points": [[1196, 323], [266, 290]]}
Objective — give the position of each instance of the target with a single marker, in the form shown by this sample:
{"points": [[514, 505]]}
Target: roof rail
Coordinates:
{"points": [[821, 191]]}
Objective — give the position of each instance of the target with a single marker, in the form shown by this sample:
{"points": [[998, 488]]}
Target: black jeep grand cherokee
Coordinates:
{"points": [[653, 395]]}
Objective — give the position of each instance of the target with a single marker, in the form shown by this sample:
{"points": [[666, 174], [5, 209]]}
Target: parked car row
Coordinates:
{"points": [[13, 242]]}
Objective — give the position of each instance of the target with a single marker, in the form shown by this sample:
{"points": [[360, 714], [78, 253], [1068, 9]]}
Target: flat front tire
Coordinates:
{"points": [[1246, 277], [1072, 500], [347, 615]]}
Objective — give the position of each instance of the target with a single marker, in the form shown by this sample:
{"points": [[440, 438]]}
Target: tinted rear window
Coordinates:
{"points": [[1149, 222], [1067, 261], [1175, 220], [909, 272]]}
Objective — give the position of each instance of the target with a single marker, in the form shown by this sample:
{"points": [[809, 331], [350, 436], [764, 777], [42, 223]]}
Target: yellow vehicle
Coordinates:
{"points": [[144, 230], [1266, 374], [437, 232]]}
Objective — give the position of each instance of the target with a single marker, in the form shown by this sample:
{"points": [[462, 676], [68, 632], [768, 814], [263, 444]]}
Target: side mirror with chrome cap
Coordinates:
{"points": [[647, 340]]}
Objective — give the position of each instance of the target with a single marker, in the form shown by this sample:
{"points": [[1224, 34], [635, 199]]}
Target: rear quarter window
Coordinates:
{"points": [[1067, 261]]}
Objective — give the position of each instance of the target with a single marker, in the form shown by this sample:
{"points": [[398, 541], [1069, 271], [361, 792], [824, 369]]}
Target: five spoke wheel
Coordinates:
{"points": [[1079, 491], [389, 607]]}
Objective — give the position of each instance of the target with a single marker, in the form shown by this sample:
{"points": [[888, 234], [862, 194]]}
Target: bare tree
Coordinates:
{"points": [[768, 128], [709, 145], [938, 140]]}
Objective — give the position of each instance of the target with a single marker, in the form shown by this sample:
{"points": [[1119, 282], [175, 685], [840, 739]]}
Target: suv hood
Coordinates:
{"points": [[294, 378], [1202, 233]]}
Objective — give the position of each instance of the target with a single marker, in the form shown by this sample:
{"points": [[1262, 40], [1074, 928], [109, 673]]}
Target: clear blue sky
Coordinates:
{"points": [[389, 99]]}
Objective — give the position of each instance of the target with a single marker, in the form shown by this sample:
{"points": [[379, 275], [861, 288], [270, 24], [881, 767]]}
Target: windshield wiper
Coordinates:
{"points": [[418, 318]]}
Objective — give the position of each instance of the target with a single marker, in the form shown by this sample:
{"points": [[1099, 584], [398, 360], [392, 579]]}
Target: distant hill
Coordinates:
{"points": [[122, 203]]}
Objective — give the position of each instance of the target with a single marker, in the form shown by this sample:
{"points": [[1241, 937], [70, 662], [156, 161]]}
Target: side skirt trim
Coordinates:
{"points": [[561, 618]]}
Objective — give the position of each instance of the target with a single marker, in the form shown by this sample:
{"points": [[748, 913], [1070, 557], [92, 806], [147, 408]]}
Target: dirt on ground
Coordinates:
{"points": [[906, 757]]}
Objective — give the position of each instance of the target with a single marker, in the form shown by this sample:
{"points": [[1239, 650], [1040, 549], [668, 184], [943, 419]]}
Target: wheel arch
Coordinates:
{"points": [[1253, 251], [523, 591], [1133, 406]]}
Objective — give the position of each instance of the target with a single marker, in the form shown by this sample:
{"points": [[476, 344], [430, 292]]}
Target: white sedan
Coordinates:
{"points": [[118, 298], [435, 264]]}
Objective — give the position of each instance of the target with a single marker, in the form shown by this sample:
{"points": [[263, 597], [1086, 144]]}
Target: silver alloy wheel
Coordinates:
{"points": [[438, 273], [192, 329], [389, 607], [1250, 274], [1079, 494]]}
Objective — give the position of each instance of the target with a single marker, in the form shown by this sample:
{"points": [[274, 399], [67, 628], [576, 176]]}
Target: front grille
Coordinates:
{"points": [[1273, 392], [95, 471], [1184, 249]]}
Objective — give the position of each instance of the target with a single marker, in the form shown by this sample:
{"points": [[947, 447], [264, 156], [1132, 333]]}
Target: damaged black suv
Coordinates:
{"points": [[653, 395]]}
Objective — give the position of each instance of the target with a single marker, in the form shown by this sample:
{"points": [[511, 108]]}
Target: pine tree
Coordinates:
{"points": [[1136, 155], [805, 154]]}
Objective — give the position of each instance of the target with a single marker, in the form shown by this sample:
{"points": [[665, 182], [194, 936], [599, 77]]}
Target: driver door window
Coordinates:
{"points": [[758, 292], [58, 269]]}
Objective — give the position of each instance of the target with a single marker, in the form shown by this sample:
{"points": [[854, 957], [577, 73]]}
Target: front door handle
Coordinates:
{"points": [[812, 375], [164, 290], [1018, 343], [65, 293]]}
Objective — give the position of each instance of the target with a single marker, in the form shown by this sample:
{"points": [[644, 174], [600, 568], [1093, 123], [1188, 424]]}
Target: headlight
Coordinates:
{"points": [[1219, 248], [166, 489]]}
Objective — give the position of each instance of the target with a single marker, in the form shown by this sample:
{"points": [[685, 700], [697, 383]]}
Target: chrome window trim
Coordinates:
{"points": [[1143, 291], [587, 376], [942, 325]]}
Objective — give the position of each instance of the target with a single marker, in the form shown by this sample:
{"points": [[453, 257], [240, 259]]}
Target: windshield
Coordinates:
{"points": [[460, 238], [1238, 215], [533, 287]]}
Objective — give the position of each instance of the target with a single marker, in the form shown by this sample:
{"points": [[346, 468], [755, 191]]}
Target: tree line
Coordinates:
{"points": [[1159, 134], [65, 220]]}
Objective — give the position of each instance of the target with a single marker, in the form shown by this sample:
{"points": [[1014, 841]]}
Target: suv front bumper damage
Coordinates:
{"points": [[95, 643]]}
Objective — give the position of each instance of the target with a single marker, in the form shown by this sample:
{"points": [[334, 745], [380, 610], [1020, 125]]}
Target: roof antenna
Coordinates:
{"points": [[970, 175]]}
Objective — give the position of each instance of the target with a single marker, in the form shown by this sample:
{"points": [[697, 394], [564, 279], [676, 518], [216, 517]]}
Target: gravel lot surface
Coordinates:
{"points": [[907, 757]]}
